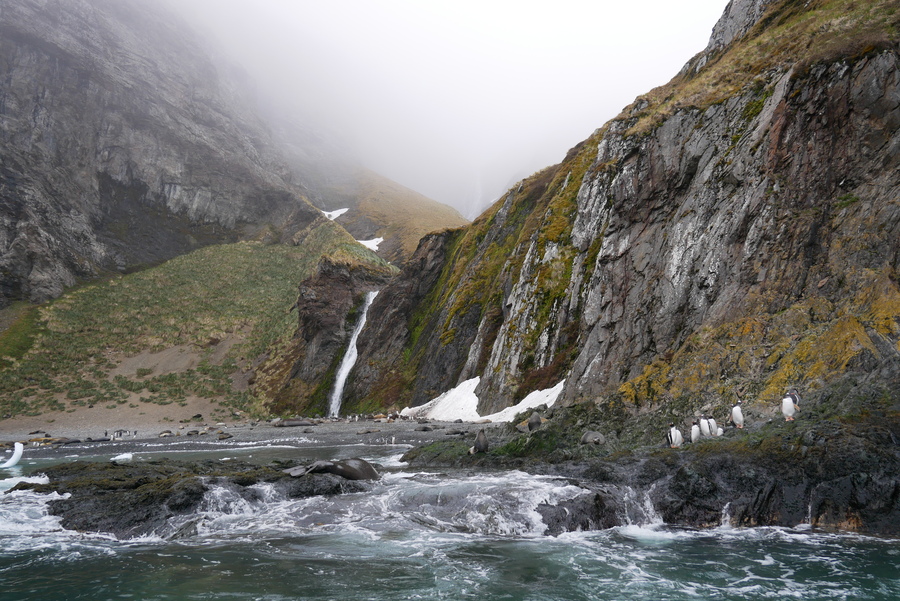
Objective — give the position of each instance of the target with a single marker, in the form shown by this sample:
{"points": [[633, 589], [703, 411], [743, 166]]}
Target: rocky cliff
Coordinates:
{"points": [[729, 234], [123, 143]]}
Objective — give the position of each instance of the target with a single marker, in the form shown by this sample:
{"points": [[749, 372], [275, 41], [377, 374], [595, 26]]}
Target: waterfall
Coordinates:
{"points": [[639, 511], [349, 360]]}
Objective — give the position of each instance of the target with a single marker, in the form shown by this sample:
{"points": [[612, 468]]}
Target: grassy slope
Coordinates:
{"points": [[383, 208], [60, 355]]}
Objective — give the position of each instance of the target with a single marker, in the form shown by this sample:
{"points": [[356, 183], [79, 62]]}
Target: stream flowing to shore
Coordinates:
{"points": [[418, 534]]}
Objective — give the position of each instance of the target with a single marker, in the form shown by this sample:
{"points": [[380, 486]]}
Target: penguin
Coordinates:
{"points": [[704, 425], [737, 416], [720, 431], [481, 444], [789, 405], [714, 428], [674, 436], [695, 432]]}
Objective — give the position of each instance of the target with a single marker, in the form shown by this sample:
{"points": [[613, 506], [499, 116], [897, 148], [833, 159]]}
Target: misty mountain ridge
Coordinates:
{"points": [[126, 143]]}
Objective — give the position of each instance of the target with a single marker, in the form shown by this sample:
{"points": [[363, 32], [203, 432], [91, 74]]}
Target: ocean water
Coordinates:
{"points": [[420, 535]]}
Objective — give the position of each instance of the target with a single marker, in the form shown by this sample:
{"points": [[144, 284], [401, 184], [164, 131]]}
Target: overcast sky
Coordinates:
{"points": [[458, 99]]}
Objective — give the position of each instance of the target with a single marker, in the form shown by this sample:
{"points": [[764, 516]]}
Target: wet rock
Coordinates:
{"points": [[136, 499], [594, 511]]}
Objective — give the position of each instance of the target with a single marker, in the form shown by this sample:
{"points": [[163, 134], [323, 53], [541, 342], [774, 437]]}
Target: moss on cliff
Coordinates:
{"points": [[792, 32]]}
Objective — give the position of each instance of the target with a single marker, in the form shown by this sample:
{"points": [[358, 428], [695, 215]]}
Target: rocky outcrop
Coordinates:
{"points": [[828, 474], [736, 236], [391, 328], [122, 143], [160, 498], [297, 378]]}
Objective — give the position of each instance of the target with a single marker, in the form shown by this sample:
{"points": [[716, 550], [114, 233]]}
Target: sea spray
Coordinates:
{"points": [[349, 360]]}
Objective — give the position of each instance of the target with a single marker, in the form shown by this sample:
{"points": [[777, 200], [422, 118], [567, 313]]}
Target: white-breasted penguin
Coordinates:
{"points": [[704, 425], [674, 436], [714, 428], [695, 432], [789, 405], [737, 416]]}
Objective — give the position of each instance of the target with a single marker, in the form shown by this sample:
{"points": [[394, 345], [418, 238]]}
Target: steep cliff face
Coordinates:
{"points": [[730, 234], [122, 143], [297, 377]]}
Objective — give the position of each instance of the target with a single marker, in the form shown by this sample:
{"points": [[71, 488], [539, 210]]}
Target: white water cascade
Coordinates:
{"points": [[349, 360]]}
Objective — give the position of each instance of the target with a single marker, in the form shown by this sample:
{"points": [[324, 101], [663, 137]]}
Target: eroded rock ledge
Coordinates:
{"points": [[832, 474]]}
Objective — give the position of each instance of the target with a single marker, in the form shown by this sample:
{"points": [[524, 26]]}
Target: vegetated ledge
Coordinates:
{"points": [[839, 473]]}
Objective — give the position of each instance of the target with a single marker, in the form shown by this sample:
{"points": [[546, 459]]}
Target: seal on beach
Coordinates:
{"points": [[351, 469], [481, 443]]}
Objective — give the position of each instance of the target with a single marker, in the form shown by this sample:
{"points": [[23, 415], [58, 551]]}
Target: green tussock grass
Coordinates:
{"points": [[60, 355]]}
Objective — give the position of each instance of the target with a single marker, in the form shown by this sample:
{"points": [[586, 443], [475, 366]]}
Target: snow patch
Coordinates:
{"points": [[462, 403], [534, 399], [335, 214], [371, 244], [456, 403]]}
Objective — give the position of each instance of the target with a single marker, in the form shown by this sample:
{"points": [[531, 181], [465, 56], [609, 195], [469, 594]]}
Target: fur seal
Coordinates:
{"points": [[591, 437], [351, 469], [534, 422], [481, 443]]}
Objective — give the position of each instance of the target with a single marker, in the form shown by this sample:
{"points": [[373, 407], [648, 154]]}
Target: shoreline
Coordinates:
{"points": [[324, 433]]}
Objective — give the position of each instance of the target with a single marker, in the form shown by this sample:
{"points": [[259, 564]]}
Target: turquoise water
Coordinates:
{"points": [[425, 535]]}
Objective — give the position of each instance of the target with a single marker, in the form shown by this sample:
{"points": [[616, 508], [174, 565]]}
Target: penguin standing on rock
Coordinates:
{"points": [[737, 416], [714, 428], [695, 432], [704, 425], [790, 404], [674, 436]]}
